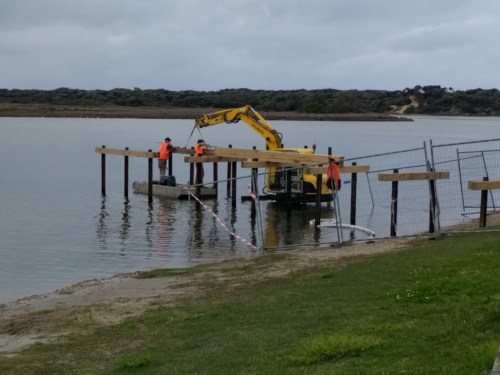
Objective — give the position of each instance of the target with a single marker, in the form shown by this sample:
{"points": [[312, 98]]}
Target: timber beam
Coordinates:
{"points": [[249, 158], [289, 157], [140, 154], [484, 185], [414, 176], [209, 159], [265, 164], [343, 169], [119, 151]]}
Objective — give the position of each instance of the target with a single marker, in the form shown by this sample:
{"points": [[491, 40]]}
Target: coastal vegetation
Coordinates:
{"points": [[431, 308], [430, 100]]}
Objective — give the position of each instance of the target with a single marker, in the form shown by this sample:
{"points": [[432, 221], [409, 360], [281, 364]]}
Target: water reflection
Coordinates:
{"points": [[287, 225], [150, 227], [213, 234], [125, 222], [196, 238], [207, 230], [164, 228], [102, 227]]}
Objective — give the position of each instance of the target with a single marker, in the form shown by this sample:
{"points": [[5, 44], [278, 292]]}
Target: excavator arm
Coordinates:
{"points": [[251, 117], [276, 177]]}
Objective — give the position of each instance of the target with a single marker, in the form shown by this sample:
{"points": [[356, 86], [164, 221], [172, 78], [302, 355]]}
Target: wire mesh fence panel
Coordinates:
{"points": [[375, 206], [466, 161], [388, 200]]}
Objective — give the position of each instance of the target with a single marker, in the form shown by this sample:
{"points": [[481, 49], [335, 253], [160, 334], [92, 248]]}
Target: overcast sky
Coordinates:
{"points": [[256, 44]]}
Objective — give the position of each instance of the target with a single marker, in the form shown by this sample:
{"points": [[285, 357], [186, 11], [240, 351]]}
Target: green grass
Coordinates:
{"points": [[432, 309]]}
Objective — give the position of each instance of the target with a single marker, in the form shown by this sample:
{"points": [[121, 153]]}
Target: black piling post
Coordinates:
{"points": [[199, 174], [288, 192], [317, 216], [150, 178], [354, 185], [228, 181], [484, 206], [103, 172], [394, 206], [191, 172], [199, 179], [125, 174], [233, 183], [216, 177], [253, 206], [170, 164], [253, 186]]}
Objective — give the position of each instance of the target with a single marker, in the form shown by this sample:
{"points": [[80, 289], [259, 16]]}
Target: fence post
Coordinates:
{"points": [[394, 206], [432, 203], [354, 185], [484, 206]]}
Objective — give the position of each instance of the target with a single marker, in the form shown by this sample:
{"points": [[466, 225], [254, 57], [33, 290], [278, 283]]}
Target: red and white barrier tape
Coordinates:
{"points": [[239, 238], [252, 194]]}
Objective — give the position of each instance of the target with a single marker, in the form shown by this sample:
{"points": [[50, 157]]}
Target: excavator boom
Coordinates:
{"points": [[251, 117], [280, 181]]}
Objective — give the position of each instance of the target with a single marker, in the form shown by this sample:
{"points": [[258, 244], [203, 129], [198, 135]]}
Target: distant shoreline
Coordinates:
{"points": [[73, 111]]}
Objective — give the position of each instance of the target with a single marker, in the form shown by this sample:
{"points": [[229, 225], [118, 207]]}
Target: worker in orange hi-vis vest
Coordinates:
{"points": [[198, 148], [165, 150], [333, 175], [200, 151]]}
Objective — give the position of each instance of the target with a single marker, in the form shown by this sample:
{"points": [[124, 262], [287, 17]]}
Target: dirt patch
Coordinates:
{"points": [[109, 301], [492, 220], [402, 108]]}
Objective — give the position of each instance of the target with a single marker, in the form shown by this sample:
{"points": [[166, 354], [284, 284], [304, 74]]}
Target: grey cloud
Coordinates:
{"points": [[279, 44]]}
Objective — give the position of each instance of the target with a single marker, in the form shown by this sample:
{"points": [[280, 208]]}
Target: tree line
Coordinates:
{"points": [[432, 99]]}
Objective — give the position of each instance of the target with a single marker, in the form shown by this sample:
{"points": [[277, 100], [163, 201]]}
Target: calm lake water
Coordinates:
{"points": [[56, 228]]}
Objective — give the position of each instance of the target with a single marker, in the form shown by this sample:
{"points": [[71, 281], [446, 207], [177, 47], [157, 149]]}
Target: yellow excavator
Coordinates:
{"points": [[279, 179]]}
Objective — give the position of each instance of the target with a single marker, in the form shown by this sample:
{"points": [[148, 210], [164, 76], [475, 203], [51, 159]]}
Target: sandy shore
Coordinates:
{"points": [[109, 301]]}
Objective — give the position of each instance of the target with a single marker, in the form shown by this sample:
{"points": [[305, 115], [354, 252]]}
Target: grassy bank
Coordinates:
{"points": [[431, 309]]}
